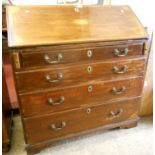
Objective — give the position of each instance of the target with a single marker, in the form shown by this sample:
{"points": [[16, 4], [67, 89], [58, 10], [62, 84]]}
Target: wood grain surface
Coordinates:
{"points": [[47, 25], [36, 58], [76, 97], [39, 128], [77, 74]]}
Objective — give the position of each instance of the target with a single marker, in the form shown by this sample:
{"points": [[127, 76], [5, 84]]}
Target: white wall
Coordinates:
{"points": [[144, 9]]}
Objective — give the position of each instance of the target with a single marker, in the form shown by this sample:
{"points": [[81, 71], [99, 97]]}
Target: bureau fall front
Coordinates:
{"points": [[76, 70]]}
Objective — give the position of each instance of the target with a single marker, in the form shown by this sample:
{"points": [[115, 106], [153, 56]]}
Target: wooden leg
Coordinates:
{"points": [[130, 125], [6, 147]]}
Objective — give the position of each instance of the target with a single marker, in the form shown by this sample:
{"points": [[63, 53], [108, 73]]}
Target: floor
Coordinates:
{"points": [[134, 141]]}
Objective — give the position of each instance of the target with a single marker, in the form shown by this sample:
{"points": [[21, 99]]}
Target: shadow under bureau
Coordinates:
{"points": [[77, 70]]}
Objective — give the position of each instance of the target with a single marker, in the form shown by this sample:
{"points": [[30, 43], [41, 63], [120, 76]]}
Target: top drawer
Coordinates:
{"points": [[36, 57]]}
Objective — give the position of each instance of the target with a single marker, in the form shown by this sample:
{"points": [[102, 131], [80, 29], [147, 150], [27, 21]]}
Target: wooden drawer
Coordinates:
{"points": [[70, 75], [74, 97], [49, 56], [49, 126]]}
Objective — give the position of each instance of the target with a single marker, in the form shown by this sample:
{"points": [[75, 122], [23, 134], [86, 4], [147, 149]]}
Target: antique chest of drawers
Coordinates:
{"points": [[77, 70]]}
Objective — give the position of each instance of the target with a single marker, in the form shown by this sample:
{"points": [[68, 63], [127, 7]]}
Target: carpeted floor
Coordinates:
{"points": [[134, 141]]}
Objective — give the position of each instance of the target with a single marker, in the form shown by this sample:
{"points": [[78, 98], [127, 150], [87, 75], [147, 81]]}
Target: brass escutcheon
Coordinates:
{"points": [[89, 69], [89, 53], [90, 88], [88, 110]]}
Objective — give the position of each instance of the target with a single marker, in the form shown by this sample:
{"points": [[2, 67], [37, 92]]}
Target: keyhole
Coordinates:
{"points": [[89, 53], [88, 110], [90, 88], [89, 69]]}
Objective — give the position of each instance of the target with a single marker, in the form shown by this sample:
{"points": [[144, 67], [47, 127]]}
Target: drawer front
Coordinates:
{"points": [[76, 74], [75, 97], [70, 122], [51, 56]]}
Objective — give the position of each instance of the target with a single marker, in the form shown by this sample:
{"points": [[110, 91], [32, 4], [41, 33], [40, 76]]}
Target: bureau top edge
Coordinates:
{"points": [[83, 44], [54, 25]]}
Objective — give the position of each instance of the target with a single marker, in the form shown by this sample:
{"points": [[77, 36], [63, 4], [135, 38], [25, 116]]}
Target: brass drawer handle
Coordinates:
{"points": [[120, 91], [53, 126], [56, 102], [120, 70], [50, 61], [121, 53], [49, 79], [116, 113]]}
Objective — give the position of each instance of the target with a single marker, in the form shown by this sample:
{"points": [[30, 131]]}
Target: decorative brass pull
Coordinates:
{"points": [[49, 79], [53, 126], [120, 70], [116, 113], [50, 61], [56, 102], [121, 53], [121, 90]]}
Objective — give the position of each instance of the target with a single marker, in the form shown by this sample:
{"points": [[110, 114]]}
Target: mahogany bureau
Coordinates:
{"points": [[77, 70]]}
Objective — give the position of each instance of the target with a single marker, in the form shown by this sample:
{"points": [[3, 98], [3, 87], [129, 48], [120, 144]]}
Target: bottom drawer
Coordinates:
{"points": [[69, 122]]}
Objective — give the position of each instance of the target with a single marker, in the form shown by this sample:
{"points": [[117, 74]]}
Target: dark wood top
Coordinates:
{"points": [[48, 25]]}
